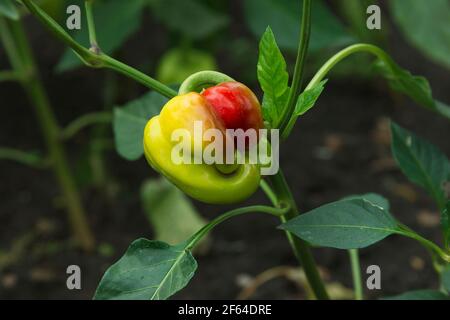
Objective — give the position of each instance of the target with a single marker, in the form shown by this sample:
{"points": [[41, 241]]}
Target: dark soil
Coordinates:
{"points": [[337, 149]]}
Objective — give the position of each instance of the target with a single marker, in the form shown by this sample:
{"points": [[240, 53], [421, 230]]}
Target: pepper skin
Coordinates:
{"points": [[236, 105], [201, 181]]}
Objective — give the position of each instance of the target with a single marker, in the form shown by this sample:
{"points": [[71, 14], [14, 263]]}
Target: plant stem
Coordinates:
{"points": [[102, 177], [301, 248], [9, 76], [305, 31], [84, 121], [91, 26], [356, 273], [201, 80], [431, 246], [344, 53], [269, 192], [140, 77], [233, 213], [341, 55], [96, 59], [26, 158], [22, 60]]}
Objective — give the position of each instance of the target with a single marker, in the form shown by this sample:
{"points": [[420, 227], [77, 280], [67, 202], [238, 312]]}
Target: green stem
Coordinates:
{"points": [[202, 80], [431, 246], [333, 61], [344, 53], [356, 273], [91, 26], [233, 213], [84, 121], [9, 76], [301, 248], [140, 77], [96, 59], [22, 60], [269, 192], [305, 31], [102, 177], [26, 158]]}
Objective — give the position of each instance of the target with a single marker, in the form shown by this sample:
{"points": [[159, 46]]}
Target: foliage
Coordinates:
{"points": [[156, 270]]}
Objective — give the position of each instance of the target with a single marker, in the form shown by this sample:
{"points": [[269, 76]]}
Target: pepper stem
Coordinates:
{"points": [[202, 80]]}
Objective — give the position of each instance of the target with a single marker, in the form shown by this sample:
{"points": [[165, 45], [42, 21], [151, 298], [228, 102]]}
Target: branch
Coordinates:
{"points": [[96, 59]]}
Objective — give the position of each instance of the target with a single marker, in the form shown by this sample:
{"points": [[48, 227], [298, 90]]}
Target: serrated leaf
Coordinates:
{"points": [[8, 9], [273, 77], [191, 18], [115, 21], [171, 214], [149, 270], [432, 35], [401, 80], [308, 98], [283, 16], [345, 224], [129, 123], [423, 163], [420, 295]]}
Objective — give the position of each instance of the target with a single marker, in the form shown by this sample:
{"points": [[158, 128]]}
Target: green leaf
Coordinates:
{"points": [[416, 87], [373, 198], [149, 270], [8, 9], [171, 214], [420, 295], [445, 279], [422, 162], [129, 123], [345, 224], [425, 24], [115, 21], [191, 18], [179, 63], [273, 77], [283, 16], [308, 98]]}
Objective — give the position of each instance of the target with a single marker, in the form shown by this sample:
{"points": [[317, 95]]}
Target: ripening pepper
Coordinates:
{"points": [[236, 105], [210, 183]]}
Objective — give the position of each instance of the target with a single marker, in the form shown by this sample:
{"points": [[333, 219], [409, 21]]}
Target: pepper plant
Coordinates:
{"points": [[157, 270]]}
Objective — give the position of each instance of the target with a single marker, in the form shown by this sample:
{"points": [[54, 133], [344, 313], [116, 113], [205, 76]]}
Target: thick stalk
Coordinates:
{"points": [[22, 60], [301, 248]]}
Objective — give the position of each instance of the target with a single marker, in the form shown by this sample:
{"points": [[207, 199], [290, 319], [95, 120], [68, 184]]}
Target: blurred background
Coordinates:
{"points": [[340, 147]]}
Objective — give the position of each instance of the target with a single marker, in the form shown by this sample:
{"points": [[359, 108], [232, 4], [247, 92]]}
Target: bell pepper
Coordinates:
{"points": [[210, 183], [236, 105]]}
